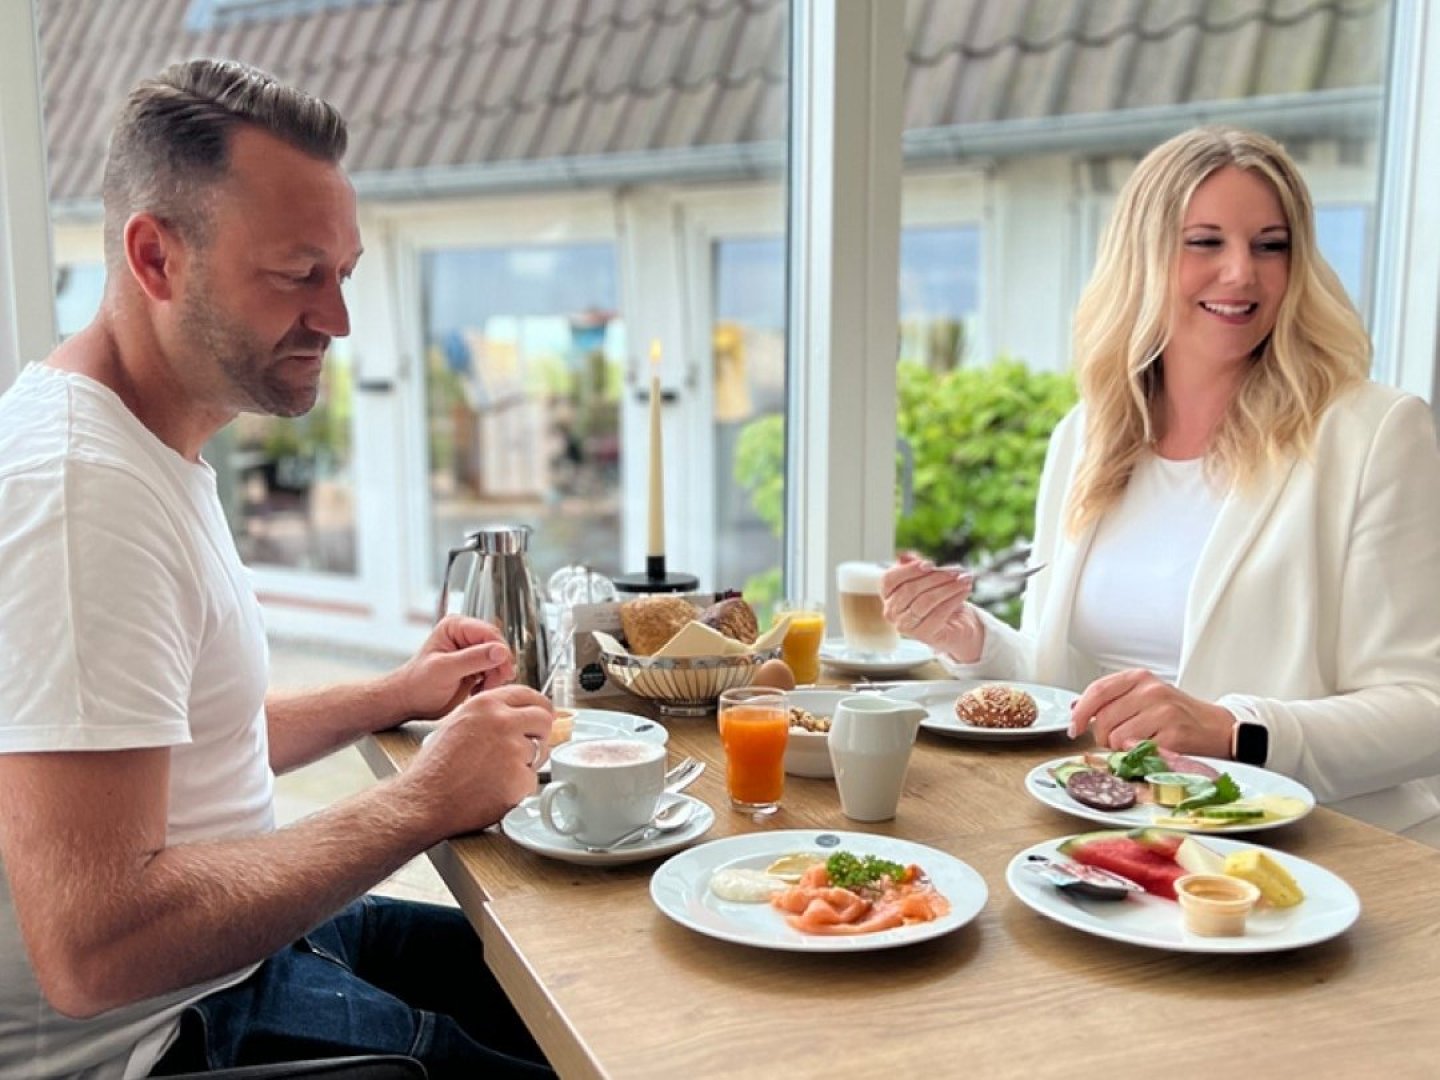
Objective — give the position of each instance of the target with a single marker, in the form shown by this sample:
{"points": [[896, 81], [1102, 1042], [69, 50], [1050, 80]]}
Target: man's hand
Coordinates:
{"points": [[482, 758], [461, 656], [1121, 709]]}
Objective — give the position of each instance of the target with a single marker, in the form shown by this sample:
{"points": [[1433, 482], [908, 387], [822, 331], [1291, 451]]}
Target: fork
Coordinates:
{"points": [[987, 574]]}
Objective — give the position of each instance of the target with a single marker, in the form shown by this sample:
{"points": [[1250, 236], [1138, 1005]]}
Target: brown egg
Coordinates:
{"points": [[774, 673]]}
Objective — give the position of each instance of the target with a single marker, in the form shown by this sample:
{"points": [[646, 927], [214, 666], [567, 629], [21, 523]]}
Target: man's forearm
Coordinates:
{"points": [[308, 724], [195, 912]]}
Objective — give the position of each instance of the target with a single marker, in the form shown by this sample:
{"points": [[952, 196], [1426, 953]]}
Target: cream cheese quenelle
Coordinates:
{"points": [[745, 886]]}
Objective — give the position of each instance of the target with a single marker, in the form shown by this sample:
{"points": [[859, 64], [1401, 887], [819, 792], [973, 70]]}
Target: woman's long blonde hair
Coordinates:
{"points": [[1122, 325]]}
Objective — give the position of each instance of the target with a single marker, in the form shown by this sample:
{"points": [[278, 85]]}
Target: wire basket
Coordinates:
{"points": [[688, 685]]}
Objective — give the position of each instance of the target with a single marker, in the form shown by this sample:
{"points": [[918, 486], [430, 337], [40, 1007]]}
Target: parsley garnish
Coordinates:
{"points": [[848, 871]]}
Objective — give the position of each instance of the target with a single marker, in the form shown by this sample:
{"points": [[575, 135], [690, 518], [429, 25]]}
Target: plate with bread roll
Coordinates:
{"points": [[989, 709]]}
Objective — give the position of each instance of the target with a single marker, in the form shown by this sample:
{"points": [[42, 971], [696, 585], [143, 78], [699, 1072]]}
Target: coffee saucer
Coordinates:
{"points": [[907, 655], [523, 825]]}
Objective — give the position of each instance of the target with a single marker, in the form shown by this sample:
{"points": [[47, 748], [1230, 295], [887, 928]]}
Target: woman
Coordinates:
{"points": [[1242, 533]]}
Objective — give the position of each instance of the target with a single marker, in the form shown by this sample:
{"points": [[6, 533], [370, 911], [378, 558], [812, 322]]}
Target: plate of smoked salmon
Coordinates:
{"points": [[804, 890]]}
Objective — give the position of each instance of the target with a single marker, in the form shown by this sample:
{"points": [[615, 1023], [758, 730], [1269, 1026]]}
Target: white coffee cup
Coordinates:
{"points": [[601, 789], [862, 611], [870, 742]]}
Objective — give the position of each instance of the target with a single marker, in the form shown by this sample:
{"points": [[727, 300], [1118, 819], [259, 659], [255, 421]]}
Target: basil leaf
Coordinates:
{"points": [[1217, 793]]}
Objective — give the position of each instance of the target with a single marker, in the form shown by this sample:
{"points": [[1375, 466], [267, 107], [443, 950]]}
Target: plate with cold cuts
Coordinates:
{"points": [[681, 889], [1329, 908], [939, 696], [1254, 782]]}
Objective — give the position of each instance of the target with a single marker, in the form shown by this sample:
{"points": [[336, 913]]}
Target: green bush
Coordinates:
{"points": [[978, 437]]}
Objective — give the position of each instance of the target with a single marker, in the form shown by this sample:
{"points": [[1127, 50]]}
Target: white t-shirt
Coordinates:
{"points": [[1131, 596], [127, 620]]}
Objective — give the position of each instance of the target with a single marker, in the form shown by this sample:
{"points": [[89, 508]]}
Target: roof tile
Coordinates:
{"points": [[449, 82]]}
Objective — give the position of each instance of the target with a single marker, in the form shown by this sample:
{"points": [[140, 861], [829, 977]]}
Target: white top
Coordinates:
{"points": [[128, 621], [1131, 596]]}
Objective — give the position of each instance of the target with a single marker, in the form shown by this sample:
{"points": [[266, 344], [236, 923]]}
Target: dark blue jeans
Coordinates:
{"points": [[382, 977]]}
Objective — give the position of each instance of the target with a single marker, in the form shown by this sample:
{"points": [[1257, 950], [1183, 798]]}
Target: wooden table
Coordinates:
{"points": [[611, 987]]}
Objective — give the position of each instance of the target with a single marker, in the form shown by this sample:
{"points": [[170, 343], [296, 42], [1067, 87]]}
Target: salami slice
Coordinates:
{"points": [[1100, 790]]}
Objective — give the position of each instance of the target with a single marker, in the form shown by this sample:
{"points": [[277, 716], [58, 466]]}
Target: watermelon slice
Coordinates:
{"points": [[1145, 856]]}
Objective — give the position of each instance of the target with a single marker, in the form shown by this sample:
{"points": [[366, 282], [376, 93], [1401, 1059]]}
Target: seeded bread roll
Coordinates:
{"points": [[996, 706], [734, 618], [651, 621]]}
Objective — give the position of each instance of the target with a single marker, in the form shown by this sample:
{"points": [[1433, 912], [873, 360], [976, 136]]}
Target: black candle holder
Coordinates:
{"points": [[656, 579]]}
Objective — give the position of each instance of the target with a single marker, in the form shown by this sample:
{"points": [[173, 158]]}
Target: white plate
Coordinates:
{"points": [[910, 654], [523, 825], [681, 889], [938, 698], [1252, 779], [605, 724], [1329, 907]]}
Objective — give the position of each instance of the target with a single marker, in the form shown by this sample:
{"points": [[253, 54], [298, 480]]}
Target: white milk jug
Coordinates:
{"points": [[870, 741]]}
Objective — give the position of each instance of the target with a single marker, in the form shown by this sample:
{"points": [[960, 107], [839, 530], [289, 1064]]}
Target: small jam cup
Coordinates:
{"points": [[1215, 905]]}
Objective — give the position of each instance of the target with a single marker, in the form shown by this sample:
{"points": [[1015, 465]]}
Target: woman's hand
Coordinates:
{"points": [[929, 605], [1121, 709], [462, 656]]}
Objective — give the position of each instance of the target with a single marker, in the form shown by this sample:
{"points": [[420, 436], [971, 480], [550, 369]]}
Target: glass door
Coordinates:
{"points": [[523, 361]]}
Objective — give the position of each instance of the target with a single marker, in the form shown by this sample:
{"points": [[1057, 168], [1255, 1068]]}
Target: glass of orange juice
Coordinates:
{"points": [[801, 650], [754, 727]]}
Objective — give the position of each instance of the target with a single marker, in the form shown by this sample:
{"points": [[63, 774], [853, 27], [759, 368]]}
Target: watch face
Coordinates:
{"points": [[1252, 744]]}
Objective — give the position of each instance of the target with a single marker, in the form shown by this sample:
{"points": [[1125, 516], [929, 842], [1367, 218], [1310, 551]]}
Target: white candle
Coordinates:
{"points": [[657, 459]]}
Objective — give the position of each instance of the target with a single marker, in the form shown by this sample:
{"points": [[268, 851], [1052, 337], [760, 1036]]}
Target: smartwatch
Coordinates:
{"points": [[1252, 743]]}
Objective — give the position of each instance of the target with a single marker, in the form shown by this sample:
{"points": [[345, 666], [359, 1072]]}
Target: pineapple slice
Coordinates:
{"points": [[1276, 885]]}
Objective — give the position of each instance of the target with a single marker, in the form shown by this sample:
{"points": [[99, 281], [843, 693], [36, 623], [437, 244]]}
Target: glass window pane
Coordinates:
{"points": [[78, 287], [523, 370], [288, 485], [749, 394]]}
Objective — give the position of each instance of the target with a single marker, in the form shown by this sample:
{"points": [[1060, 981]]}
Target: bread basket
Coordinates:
{"points": [[684, 685]]}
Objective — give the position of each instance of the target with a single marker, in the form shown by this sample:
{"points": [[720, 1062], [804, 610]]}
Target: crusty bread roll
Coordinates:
{"points": [[651, 621], [996, 706], [734, 618]]}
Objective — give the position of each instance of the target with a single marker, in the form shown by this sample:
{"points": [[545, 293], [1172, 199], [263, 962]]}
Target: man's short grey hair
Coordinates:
{"points": [[172, 141]]}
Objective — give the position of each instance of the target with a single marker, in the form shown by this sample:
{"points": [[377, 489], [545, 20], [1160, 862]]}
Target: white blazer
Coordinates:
{"points": [[1314, 610]]}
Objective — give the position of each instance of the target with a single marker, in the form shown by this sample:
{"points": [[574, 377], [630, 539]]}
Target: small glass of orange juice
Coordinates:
{"points": [[754, 727], [801, 650]]}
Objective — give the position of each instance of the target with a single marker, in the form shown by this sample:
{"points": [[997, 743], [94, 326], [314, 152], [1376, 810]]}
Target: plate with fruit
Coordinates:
{"points": [[1148, 785], [1280, 901]]}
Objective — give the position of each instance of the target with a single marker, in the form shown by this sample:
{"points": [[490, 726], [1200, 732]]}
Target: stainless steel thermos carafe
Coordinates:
{"points": [[502, 590]]}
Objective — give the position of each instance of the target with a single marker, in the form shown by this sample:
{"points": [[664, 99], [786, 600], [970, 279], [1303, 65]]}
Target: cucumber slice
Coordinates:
{"points": [[1229, 813], [1061, 773]]}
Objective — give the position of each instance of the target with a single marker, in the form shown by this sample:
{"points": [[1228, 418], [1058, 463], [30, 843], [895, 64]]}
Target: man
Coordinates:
{"points": [[148, 908]]}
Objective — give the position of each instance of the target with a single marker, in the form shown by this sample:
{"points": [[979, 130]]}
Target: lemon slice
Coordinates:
{"points": [[791, 867]]}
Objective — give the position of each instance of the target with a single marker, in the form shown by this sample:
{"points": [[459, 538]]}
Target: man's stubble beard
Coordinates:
{"points": [[249, 367]]}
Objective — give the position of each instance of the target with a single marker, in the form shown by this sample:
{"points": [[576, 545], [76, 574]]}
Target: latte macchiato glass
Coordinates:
{"points": [[862, 612], [601, 789]]}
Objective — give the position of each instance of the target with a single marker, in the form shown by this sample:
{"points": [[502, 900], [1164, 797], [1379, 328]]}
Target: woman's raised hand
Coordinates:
{"points": [[929, 605]]}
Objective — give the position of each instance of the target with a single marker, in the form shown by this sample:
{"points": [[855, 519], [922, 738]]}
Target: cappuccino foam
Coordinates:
{"points": [[610, 752]]}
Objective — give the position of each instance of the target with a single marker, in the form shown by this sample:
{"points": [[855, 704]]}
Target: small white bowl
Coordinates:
{"points": [[807, 753]]}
